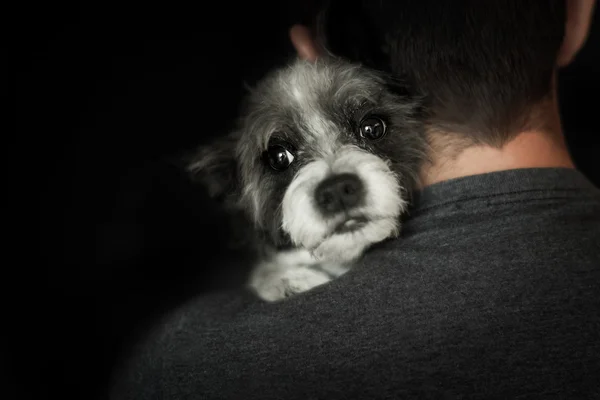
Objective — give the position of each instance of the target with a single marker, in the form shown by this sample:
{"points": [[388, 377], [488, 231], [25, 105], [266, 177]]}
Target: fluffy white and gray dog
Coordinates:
{"points": [[322, 166]]}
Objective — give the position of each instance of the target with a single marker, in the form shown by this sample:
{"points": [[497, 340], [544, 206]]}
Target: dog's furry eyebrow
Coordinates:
{"points": [[280, 136], [283, 134], [364, 106]]}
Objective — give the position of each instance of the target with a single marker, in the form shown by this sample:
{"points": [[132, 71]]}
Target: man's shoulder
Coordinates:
{"points": [[537, 216], [484, 284]]}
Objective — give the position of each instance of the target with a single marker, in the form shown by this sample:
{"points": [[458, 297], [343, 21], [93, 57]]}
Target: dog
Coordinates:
{"points": [[322, 165]]}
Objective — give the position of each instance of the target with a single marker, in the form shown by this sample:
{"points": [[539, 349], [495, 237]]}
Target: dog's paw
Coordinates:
{"points": [[302, 279], [289, 282]]}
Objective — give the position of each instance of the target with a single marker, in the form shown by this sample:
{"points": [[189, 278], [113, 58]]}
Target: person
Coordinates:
{"points": [[492, 290]]}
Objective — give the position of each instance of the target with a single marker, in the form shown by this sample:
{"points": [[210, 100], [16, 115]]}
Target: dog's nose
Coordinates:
{"points": [[338, 193]]}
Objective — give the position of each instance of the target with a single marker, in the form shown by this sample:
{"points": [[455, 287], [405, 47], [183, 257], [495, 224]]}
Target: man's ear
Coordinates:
{"points": [[215, 167], [577, 29], [304, 43]]}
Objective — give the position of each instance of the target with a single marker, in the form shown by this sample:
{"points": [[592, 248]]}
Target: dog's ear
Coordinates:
{"points": [[215, 167]]}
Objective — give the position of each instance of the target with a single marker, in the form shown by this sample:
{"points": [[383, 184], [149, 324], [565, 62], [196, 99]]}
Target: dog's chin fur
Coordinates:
{"points": [[317, 109]]}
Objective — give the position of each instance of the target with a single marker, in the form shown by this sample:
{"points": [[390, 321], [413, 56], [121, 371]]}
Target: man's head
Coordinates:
{"points": [[324, 158], [487, 67]]}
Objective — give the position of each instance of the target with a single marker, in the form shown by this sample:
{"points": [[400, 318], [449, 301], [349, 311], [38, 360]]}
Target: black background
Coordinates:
{"points": [[108, 95]]}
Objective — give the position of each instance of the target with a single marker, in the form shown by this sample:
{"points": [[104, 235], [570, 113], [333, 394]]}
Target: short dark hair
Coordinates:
{"points": [[481, 64]]}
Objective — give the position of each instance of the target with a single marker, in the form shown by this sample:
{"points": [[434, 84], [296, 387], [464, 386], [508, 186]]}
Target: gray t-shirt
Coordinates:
{"points": [[493, 291]]}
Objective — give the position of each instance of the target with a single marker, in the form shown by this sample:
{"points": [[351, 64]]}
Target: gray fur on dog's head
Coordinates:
{"points": [[315, 110]]}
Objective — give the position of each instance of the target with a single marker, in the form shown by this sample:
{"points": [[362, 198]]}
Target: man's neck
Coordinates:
{"points": [[527, 150]]}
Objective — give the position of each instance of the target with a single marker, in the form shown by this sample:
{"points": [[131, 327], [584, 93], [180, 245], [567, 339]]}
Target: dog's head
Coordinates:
{"points": [[324, 158]]}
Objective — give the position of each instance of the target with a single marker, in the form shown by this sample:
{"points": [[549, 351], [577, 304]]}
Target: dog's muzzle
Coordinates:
{"points": [[336, 207]]}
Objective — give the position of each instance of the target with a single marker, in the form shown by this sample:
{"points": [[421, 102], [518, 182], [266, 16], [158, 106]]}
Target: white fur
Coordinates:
{"points": [[383, 205], [293, 271], [319, 128], [290, 272]]}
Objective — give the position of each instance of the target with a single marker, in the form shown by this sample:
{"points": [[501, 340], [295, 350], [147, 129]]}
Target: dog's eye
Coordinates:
{"points": [[372, 128], [279, 157]]}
